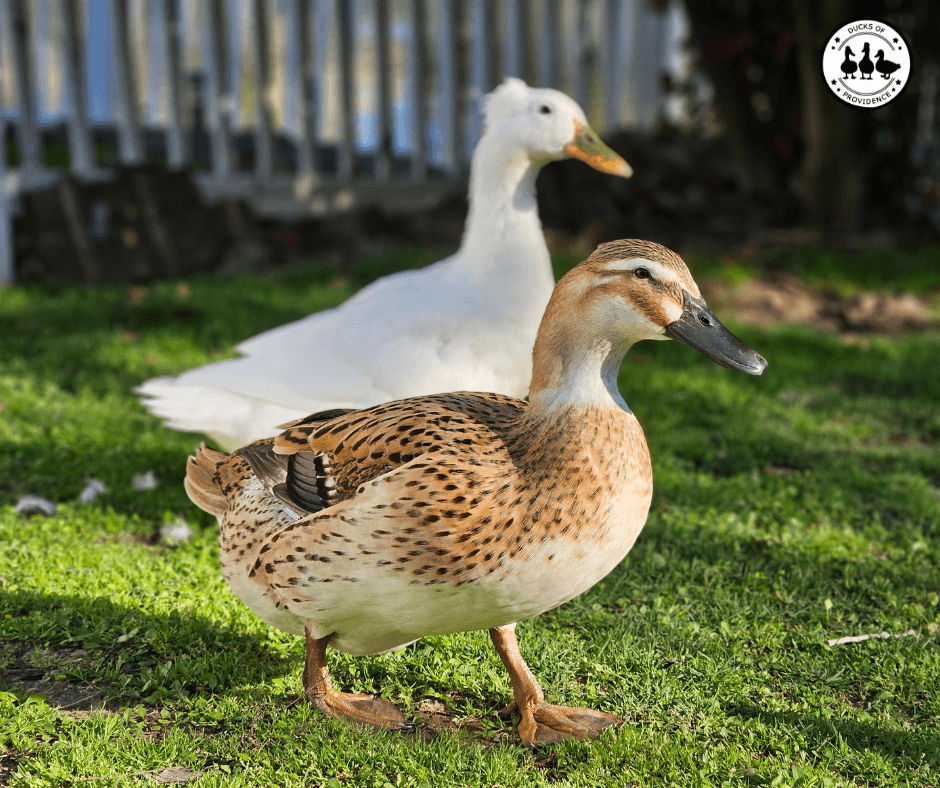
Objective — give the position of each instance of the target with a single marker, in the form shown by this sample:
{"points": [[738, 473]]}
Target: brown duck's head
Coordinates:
{"points": [[631, 290]]}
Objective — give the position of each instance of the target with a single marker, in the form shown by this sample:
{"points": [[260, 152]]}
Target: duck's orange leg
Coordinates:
{"points": [[541, 723], [362, 709]]}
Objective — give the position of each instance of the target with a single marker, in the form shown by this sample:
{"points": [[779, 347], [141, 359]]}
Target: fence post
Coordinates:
{"points": [[300, 11], [82, 159], [259, 55], [176, 147], [383, 120], [476, 71], [515, 40], [7, 253], [547, 56], [461, 78], [446, 103], [582, 66], [647, 63], [7, 272], [419, 83], [28, 137], [219, 104], [620, 46], [127, 96], [347, 59]]}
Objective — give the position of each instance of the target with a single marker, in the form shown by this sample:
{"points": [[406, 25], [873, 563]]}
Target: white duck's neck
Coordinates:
{"points": [[503, 223]]}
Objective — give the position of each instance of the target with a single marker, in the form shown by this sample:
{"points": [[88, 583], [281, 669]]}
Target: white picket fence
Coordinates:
{"points": [[372, 100]]}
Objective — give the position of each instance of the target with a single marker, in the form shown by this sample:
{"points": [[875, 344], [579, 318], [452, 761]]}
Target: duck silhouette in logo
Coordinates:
{"points": [[885, 67], [849, 66], [865, 65]]}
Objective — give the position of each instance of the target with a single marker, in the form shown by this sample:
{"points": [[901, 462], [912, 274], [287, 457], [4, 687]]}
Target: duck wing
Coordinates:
{"points": [[360, 446], [302, 482]]}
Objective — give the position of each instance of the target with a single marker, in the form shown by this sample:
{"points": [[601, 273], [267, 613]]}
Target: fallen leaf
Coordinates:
{"points": [[34, 504], [144, 481], [92, 490], [778, 470], [175, 774], [136, 294], [129, 237], [875, 636], [433, 707], [175, 532]]}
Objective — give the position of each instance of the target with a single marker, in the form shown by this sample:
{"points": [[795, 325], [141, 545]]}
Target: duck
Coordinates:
{"points": [[885, 67], [865, 65], [849, 67], [366, 530], [465, 322]]}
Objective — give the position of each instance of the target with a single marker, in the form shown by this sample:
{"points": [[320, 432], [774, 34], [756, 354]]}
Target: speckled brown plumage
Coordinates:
{"points": [[367, 530], [536, 482]]}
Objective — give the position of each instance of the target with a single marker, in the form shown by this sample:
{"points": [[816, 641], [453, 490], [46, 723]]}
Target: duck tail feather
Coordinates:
{"points": [[201, 485]]}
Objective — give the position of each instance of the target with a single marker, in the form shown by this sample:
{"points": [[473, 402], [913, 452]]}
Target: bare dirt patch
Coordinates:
{"points": [[31, 671], [434, 718], [7, 769], [784, 299]]}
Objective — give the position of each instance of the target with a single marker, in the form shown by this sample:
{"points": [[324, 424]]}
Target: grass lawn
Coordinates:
{"points": [[790, 509]]}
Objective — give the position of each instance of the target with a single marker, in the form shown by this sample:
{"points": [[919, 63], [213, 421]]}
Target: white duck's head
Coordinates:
{"points": [[547, 125], [626, 291]]}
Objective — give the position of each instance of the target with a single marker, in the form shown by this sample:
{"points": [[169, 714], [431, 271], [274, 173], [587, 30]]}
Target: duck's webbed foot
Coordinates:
{"points": [[546, 723], [541, 722], [361, 709]]}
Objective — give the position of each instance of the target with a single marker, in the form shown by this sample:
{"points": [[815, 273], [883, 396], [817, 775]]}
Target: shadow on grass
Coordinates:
{"points": [[912, 745], [90, 450], [132, 654], [66, 324], [72, 337]]}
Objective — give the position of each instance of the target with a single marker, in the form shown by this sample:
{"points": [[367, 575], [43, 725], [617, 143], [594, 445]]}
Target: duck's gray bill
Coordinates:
{"points": [[699, 328]]}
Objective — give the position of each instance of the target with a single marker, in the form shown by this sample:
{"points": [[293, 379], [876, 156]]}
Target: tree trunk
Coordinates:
{"points": [[732, 94], [831, 191]]}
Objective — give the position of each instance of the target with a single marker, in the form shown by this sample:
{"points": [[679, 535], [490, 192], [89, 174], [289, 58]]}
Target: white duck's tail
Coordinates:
{"points": [[231, 419]]}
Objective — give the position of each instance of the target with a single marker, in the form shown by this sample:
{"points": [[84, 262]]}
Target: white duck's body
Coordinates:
{"points": [[465, 323]]}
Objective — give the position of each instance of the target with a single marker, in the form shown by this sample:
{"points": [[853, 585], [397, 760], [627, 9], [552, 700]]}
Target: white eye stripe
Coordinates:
{"points": [[660, 272]]}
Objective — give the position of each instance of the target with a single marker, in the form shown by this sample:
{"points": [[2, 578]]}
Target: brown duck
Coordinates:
{"points": [[367, 530]]}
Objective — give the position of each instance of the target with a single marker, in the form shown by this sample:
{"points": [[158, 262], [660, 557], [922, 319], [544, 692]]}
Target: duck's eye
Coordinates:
{"points": [[641, 273], [545, 109]]}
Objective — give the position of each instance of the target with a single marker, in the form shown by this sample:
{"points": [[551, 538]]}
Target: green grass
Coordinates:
{"points": [[792, 508], [884, 269]]}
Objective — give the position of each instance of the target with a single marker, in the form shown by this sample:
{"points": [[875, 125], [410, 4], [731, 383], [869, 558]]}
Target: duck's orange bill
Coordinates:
{"points": [[588, 147]]}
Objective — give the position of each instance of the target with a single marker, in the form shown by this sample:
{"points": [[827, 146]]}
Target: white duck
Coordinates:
{"points": [[465, 323]]}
